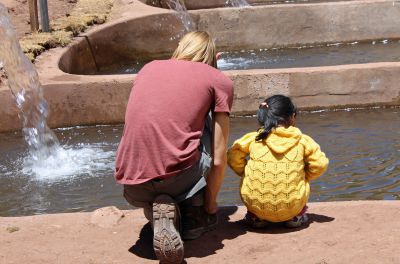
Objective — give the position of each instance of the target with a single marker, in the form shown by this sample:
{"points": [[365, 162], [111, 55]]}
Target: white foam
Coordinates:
{"points": [[70, 162], [233, 63]]}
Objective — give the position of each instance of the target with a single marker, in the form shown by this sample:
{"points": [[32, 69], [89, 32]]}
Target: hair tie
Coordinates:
{"points": [[264, 104]]}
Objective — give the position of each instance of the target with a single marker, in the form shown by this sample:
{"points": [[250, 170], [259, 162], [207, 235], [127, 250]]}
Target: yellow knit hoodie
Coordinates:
{"points": [[275, 179]]}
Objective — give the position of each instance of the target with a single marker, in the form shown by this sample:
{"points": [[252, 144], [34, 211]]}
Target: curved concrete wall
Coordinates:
{"points": [[76, 99], [155, 35], [147, 37], [206, 4]]}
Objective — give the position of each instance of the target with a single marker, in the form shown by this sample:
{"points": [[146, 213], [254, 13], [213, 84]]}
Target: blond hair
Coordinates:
{"points": [[197, 46]]}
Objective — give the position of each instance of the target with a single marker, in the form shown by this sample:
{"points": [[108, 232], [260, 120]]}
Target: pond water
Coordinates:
{"points": [[274, 2], [275, 58], [363, 147]]}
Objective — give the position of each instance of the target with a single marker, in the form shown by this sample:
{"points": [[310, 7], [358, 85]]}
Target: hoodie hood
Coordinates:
{"points": [[281, 139]]}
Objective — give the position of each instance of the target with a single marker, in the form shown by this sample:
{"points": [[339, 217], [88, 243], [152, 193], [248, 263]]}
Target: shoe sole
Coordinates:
{"points": [[294, 224], [167, 242]]}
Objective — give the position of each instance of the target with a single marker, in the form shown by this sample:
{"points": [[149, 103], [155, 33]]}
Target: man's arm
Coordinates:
{"points": [[217, 172]]}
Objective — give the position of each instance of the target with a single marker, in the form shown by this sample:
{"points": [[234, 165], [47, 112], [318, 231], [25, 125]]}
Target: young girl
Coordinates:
{"points": [[281, 162]]}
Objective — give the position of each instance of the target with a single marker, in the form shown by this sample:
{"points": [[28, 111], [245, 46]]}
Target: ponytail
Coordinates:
{"points": [[274, 111]]}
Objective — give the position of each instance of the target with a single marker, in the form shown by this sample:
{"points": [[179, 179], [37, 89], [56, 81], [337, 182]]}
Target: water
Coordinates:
{"points": [[23, 81], [363, 147], [86, 184], [237, 3], [45, 157], [276, 58], [182, 14], [312, 56], [294, 2]]}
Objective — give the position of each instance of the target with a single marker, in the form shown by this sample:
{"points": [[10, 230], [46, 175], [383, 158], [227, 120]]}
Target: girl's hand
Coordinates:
{"points": [[218, 56]]}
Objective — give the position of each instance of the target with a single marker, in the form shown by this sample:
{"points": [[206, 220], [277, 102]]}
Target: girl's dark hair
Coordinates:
{"points": [[275, 110]]}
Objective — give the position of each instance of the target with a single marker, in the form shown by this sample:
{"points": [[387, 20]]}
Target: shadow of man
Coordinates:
{"points": [[144, 245], [212, 241], [206, 245]]}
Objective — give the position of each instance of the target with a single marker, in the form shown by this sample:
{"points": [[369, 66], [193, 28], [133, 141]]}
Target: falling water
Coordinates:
{"points": [[23, 81], [182, 13], [237, 3], [46, 158]]}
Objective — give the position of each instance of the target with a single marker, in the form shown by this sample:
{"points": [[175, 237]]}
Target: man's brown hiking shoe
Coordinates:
{"points": [[167, 242]]}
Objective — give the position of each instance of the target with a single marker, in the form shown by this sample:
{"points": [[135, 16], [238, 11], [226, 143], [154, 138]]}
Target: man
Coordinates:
{"points": [[172, 154]]}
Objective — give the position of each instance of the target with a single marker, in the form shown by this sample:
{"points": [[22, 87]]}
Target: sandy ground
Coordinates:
{"points": [[19, 12], [343, 232], [339, 232]]}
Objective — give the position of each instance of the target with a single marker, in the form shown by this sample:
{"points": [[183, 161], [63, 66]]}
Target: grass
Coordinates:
{"points": [[85, 14]]}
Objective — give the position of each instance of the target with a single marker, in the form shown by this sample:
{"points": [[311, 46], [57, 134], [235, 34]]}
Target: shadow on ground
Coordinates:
{"points": [[279, 228], [206, 245], [212, 241], [144, 245]]}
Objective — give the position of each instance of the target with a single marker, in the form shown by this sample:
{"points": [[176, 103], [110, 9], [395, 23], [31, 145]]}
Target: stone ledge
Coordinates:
{"points": [[339, 232]]}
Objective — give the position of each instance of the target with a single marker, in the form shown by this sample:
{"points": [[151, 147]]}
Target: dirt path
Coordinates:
{"points": [[364, 232], [19, 12]]}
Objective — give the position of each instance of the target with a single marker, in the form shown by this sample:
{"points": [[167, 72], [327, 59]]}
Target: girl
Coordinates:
{"points": [[275, 179]]}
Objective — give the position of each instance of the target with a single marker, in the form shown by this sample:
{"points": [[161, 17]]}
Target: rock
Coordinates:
{"points": [[12, 229], [107, 217]]}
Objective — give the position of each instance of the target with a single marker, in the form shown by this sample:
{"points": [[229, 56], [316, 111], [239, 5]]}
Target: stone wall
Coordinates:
{"points": [[297, 25], [156, 34], [77, 99]]}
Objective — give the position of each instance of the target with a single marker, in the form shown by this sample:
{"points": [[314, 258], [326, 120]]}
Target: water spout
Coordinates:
{"points": [[46, 159], [24, 84], [182, 13], [237, 3]]}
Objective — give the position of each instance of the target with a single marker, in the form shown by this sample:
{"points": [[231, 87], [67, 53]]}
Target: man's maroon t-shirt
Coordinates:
{"points": [[165, 118]]}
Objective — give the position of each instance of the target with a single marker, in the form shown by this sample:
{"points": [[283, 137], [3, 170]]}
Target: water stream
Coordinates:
{"points": [[45, 157], [72, 169], [182, 14], [24, 84], [237, 3], [363, 147], [312, 56], [275, 58], [275, 2]]}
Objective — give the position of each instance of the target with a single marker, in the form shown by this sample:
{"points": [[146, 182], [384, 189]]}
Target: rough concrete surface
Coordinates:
{"points": [[339, 232], [78, 99]]}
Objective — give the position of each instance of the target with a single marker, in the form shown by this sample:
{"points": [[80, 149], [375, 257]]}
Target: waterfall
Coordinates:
{"points": [[237, 3], [182, 13], [23, 81], [46, 159]]}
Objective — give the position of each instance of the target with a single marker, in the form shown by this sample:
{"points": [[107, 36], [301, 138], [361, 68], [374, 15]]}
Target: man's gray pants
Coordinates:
{"points": [[181, 186]]}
